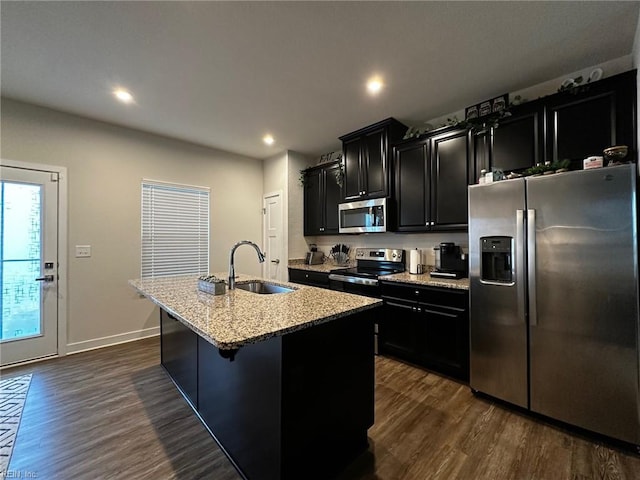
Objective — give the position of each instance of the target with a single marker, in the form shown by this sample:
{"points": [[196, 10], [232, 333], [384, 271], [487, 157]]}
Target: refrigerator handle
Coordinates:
{"points": [[531, 265], [520, 265]]}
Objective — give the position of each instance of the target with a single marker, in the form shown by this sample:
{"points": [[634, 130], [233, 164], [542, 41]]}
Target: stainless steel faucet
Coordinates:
{"points": [[232, 268]]}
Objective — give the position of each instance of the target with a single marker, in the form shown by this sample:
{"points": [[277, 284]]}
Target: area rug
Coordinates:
{"points": [[13, 393]]}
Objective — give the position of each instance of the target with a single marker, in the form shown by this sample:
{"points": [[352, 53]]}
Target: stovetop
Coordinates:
{"points": [[373, 262], [366, 272]]}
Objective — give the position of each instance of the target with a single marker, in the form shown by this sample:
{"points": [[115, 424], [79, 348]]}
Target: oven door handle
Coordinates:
{"points": [[348, 279]]}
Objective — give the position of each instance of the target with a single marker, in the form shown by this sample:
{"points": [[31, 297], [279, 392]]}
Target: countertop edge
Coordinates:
{"points": [[256, 338], [426, 281]]}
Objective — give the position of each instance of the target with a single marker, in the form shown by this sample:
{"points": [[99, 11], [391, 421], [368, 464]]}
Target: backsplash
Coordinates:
{"points": [[407, 241]]}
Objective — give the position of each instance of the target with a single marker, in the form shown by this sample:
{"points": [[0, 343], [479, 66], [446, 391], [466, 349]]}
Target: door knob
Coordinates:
{"points": [[46, 278], [277, 260]]}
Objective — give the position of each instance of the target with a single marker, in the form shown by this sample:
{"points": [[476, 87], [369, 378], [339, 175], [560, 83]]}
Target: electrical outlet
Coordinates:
{"points": [[83, 251]]}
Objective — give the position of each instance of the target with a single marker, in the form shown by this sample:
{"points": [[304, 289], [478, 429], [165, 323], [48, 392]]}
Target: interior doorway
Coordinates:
{"points": [[273, 238]]}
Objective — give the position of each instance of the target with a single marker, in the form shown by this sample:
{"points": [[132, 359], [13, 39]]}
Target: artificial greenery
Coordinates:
{"points": [[548, 167], [339, 175], [481, 124], [575, 86]]}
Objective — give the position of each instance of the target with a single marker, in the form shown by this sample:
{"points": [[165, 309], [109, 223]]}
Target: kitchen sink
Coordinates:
{"points": [[263, 287]]}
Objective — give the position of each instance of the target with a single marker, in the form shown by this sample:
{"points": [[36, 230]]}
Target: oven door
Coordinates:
{"points": [[363, 217], [356, 285], [371, 288]]}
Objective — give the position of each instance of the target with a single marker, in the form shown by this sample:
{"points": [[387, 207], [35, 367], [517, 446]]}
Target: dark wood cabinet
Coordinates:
{"points": [[288, 407], [431, 179], [308, 277], [572, 125], [585, 121], [179, 355], [322, 194], [367, 153], [426, 325], [515, 145]]}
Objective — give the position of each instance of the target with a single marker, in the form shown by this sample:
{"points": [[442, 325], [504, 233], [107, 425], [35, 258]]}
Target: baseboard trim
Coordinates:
{"points": [[111, 340]]}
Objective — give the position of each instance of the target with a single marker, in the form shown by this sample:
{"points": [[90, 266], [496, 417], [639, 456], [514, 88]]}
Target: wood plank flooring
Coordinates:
{"points": [[114, 413]]}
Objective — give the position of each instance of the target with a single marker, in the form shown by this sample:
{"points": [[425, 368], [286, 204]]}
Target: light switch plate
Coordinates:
{"points": [[83, 251]]}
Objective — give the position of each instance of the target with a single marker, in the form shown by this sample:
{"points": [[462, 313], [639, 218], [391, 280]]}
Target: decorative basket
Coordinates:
{"points": [[211, 284]]}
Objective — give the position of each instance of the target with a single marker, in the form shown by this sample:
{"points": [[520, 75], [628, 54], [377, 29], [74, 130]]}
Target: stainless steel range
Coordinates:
{"points": [[370, 264], [363, 278]]}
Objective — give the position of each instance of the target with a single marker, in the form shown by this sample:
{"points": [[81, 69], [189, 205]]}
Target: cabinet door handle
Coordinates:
{"points": [[400, 305], [445, 314]]}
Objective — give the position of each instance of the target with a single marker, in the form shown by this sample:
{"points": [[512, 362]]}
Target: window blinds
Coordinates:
{"points": [[175, 229]]}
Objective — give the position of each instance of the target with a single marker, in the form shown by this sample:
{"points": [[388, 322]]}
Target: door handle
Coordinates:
{"points": [[518, 267], [531, 266], [277, 260], [46, 278]]}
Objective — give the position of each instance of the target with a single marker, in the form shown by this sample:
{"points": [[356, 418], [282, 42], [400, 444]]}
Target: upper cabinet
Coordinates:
{"points": [[516, 144], [585, 121], [427, 178], [322, 194], [572, 124], [431, 178], [367, 154]]}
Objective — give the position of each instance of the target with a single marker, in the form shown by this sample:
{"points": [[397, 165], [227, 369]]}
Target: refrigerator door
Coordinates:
{"points": [[584, 300], [498, 332]]}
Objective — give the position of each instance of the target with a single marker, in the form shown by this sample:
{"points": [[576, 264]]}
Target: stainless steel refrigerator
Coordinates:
{"points": [[553, 271]]}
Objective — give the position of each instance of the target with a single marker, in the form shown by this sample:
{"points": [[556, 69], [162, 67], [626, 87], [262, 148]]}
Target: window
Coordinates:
{"points": [[175, 229]]}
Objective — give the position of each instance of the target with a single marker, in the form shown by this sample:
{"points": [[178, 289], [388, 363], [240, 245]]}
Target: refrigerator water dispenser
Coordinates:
{"points": [[497, 259]]}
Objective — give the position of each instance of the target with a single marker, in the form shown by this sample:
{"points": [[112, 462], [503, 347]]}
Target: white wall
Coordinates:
{"points": [[297, 245], [274, 171], [282, 172], [407, 241], [105, 166]]}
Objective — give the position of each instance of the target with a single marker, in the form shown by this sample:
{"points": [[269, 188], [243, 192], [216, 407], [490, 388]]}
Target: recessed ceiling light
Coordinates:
{"points": [[123, 95], [374, 85], [268, 139]]}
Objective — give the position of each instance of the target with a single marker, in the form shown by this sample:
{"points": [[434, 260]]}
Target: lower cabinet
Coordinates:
{"points": [[179, 355], [308, 277], [288, 407], [428, 326]]}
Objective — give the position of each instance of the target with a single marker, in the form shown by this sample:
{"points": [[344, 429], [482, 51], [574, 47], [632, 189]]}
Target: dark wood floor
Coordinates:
{"points": [[113, 413]]}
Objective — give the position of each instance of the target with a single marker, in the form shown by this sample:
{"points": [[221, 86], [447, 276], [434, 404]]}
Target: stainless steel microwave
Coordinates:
{"points": [[366, 216]]}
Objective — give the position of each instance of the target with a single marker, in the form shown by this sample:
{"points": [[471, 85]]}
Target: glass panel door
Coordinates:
{"points": [[28, 264]]}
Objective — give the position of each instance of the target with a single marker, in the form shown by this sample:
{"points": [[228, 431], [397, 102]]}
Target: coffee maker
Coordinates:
{"points": [[451, 261]]}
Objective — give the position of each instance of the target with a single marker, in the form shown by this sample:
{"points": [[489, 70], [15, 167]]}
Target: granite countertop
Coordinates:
{"points": [[404, 277], [427, 280], [326, 267], [239, 317]]}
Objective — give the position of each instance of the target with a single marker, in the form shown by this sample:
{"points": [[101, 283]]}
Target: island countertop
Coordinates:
{"points": [[239, 317]]}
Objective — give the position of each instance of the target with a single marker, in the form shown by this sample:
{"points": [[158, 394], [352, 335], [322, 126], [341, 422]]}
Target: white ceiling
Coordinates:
{"points": [[223, 74]]}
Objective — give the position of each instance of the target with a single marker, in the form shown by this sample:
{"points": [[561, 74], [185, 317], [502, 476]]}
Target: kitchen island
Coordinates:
{"points": [[283, 382]]}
